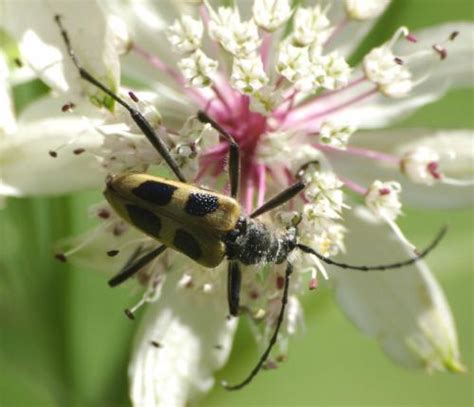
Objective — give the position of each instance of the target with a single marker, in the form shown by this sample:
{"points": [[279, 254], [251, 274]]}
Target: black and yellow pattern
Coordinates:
{"points": [[184, 217]]}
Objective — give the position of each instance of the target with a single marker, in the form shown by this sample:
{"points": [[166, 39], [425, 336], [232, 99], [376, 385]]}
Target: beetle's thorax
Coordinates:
{"points": [[251, 242]]}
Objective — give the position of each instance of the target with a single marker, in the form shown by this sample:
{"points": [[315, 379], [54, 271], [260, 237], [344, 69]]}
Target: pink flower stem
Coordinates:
{"points": [[334, 109], [353, 186], [361, 152], [249, 191], [265, 49], [156, 62], [222, 98], [261, 178], [327, 94], [337, 30]]}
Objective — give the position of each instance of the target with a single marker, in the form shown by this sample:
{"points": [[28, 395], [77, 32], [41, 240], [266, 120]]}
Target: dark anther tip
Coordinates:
{"points": [[129, 314], [61, 257], [112, 253]]}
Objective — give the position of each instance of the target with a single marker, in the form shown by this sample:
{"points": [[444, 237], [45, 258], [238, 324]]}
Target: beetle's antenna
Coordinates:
{"points": [[381, 267], [135, 264], [136, 116], [263, 358]]}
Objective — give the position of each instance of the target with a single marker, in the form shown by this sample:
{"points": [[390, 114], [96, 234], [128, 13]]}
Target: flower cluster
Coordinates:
{"points": [[280, 84]]}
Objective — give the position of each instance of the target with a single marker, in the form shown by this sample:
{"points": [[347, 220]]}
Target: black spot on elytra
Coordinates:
{"points": [[187, 244], [154, 192], [145, 220], [200, 204]]}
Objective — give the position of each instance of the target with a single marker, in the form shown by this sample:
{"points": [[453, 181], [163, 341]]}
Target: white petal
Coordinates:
{"points": [[458, 68], [455, 71], [26, 167], [147, 22], [41, 46], [458, 142], [195, 338], [352, 33], [404, 309], [7, 117]]}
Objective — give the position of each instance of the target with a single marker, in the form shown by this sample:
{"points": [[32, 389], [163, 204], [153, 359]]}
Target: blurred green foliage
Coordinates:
{"points": [[64, 340]]}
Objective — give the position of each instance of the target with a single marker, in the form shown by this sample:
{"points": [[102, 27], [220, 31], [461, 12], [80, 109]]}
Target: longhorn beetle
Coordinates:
{"points": [[205, 225]]}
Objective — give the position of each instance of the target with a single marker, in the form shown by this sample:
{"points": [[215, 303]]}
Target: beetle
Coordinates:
{"points": [[205, 225]]}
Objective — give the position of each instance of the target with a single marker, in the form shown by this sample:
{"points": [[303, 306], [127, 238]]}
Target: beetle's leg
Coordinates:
{"points": [[234, 280], [234, 153], [279, 199], [137, 117], [263, 358], [135, 265]]}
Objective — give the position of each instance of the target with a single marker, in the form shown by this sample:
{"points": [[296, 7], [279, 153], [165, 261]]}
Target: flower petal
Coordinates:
{"points": [[454, 146], [455, 71], [29, 149], [41, 46], [458, 68], [405, 309], [184, 337], [7, 118], [352, 32]]}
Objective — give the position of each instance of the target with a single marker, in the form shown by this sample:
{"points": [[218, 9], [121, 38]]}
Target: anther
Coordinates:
{"points": [[313, 284], [18, 63], [156, 344], [218, 347], [398, 61], [133, 96], [280, 282], [442, 52], [53, 153], [384, 191], [129, 314], [68, 107], [61, 257], [112, 253], [433, 169], [411, 37], [103, 213], [453, 35], [78, 151]]}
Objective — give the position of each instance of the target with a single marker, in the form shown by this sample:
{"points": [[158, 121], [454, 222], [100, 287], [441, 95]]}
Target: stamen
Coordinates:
{"points": [[453, 35], [398, 232], [411, 38], [113, 253], [68, 107], [442, 52], [402, 31], [313, 282], [133, 96], [78, 151], [458, 182], [89, 239]]}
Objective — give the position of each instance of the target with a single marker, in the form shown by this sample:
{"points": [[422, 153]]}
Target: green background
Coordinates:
{"points": [[64, 340]]}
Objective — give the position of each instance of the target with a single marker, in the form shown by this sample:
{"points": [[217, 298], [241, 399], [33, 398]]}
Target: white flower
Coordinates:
{"points": [[335, 135], [278, 103], [198, 69], [421, 166], [330, 71], [185, 34], [293, 63], [365, 9], [393, 77], [240, 38], [248, 75], [310, 25], [383, 199], [271, 14]]}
